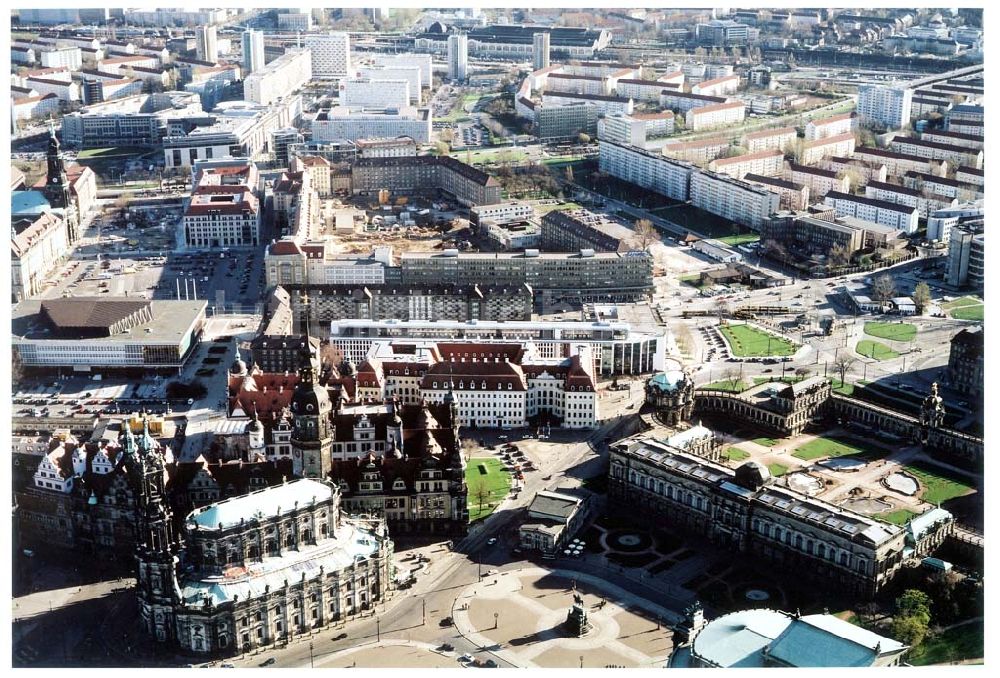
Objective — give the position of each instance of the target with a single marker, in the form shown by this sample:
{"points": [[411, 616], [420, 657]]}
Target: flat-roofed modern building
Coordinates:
{"points": [[884, 105], [91, 334], [745, 203], [342, 123], [331, 54], [517, 42], [653, 171], [279, 78], [375, 93], [768, 163], [409, 73], [870, 209]]}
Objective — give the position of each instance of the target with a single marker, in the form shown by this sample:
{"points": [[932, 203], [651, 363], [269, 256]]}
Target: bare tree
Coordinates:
{"points": [[645, 236], [839, 256], [721, 309], [843, 365], [732, 375], [479, 491], [921, 296], [447, 135], [883, 288], [469, 447], [802, 372]]}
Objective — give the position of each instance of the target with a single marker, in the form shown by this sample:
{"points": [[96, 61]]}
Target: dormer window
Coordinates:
{"points": [[484, 383]]}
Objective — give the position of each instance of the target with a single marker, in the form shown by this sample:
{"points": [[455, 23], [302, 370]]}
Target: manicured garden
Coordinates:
{"points": [[819, 448], [939, 486], [741, 239], [777, 470], [891, 331], [875, 350], [900, 517], [489, 474], [726, 385], [746, 341], [766, 442]]}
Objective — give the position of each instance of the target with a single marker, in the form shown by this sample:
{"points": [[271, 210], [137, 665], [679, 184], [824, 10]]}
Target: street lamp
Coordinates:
{"points": [[423, 611], [310, 654], [496, 620], [378, 629], [581, 661]]}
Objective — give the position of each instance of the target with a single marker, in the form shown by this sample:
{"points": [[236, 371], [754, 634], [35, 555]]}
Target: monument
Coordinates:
{"points": [[576, 619]]}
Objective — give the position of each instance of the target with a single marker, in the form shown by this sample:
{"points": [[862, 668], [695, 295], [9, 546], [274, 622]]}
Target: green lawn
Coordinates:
{"points": [[504, 155], [900, 517], [553, 207], [766, 442], [725, 385], [491, 473], [827, 447], [961, 642], [842, 389], [746, 341], [973, 312], [777, 470], [113, 152], [876, 350], [962, 301], [741, 239], [786, 380], [939, 486], [736, 454], [891, 331], [702, 222]]}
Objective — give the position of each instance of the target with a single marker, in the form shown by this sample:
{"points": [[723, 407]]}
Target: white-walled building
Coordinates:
{"points": [[409, 73], [909, 197], [295, 20], [739, 201], [841, 145], [35, 253], [279, 78], [331, 55], [653, 171], [421, 61], [879, 211], [369, 93], [639, 90], [884, 105], [951, 153], [604, 104], [206, 43], [715, 115], [765, 163], [717, 87], [831, 127], [62, 57], [767, 139], [340, 122], [253, 51], [818, 181], [791, 196], [458, 56]]}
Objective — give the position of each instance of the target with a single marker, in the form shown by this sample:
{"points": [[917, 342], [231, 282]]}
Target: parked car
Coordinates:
{"points": [[491, 541], [268, 661], [340, 636], [445, 622]]}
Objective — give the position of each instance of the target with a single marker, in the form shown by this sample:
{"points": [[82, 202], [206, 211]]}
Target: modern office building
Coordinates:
{"points": [[331, 55], [966, 255], [279, 78], [299, 20], [342, 123], [458, 57], [884, 106], [253, 51], [411, 74], [572, 230], [89, 334], [722, 33], [966, 361], [541, 45], [374, 93], [207, 43], [516, 42], [745, 203], [557, 122]]}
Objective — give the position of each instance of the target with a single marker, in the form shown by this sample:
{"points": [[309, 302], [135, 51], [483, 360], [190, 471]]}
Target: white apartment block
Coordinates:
{"points": [[713, 71], [409, 73], [908, 197], [768, 139], [818, 181], [578, 84], [639, 90], [970, 175], [672, 78], [717, 87], [814, 151], [899, 164], [942, 186], [657, 124], [622, 129], [253, 51], [369, 93], [882, 212], [119, 64], [279, 78], [421, 61], [458, 56], [866, 171], [62, 57], [228, 219], [966, 127], [206, 43], [682, 102], [340, 122], [715, 115], [22, 55], [502, 213], [764, 163], [971, 141], [34, 107], [653, 171], [700, 151], [921, 106], [738, 201], [940, 222], [66, 91], [956, 155], [831, 127], [331, 55], [884, 105]]}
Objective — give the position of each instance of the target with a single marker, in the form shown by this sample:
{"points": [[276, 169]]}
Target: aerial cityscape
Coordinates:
{"points": [[494, 338]]}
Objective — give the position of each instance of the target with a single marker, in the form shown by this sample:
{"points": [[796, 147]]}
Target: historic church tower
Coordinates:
{"points": [[57, 190], [312, 430], [156, 544]]}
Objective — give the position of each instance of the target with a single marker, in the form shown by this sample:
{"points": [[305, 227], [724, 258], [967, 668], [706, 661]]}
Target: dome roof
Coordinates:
{"points": [[254, 426], [437, 27], [752, 475], [238, 367], [309, 397], [671, 379]]}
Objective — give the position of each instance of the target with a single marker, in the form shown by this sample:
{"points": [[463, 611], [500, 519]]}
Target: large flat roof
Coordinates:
{"points": [[171, 320]]}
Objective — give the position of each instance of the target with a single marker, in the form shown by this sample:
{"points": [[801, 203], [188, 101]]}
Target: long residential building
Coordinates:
{"points": [[715, 115], [419, 174], [279, 78], [340, 122], [791, 196], [640, 90], [972, 141], [767, 139], [699, 151], [392, 73], [899, 163], [745, 203], [375, 93], [766, 163], [516, 42], [845, 123], [870, 209], [615, 347], [951, 153], [866, 170], [970, 175], [603, 103], [572, 230], [653, 171], [330, 54], [910, 197], [718, 87], [682, 102], [818, 149], [818, 181]]}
